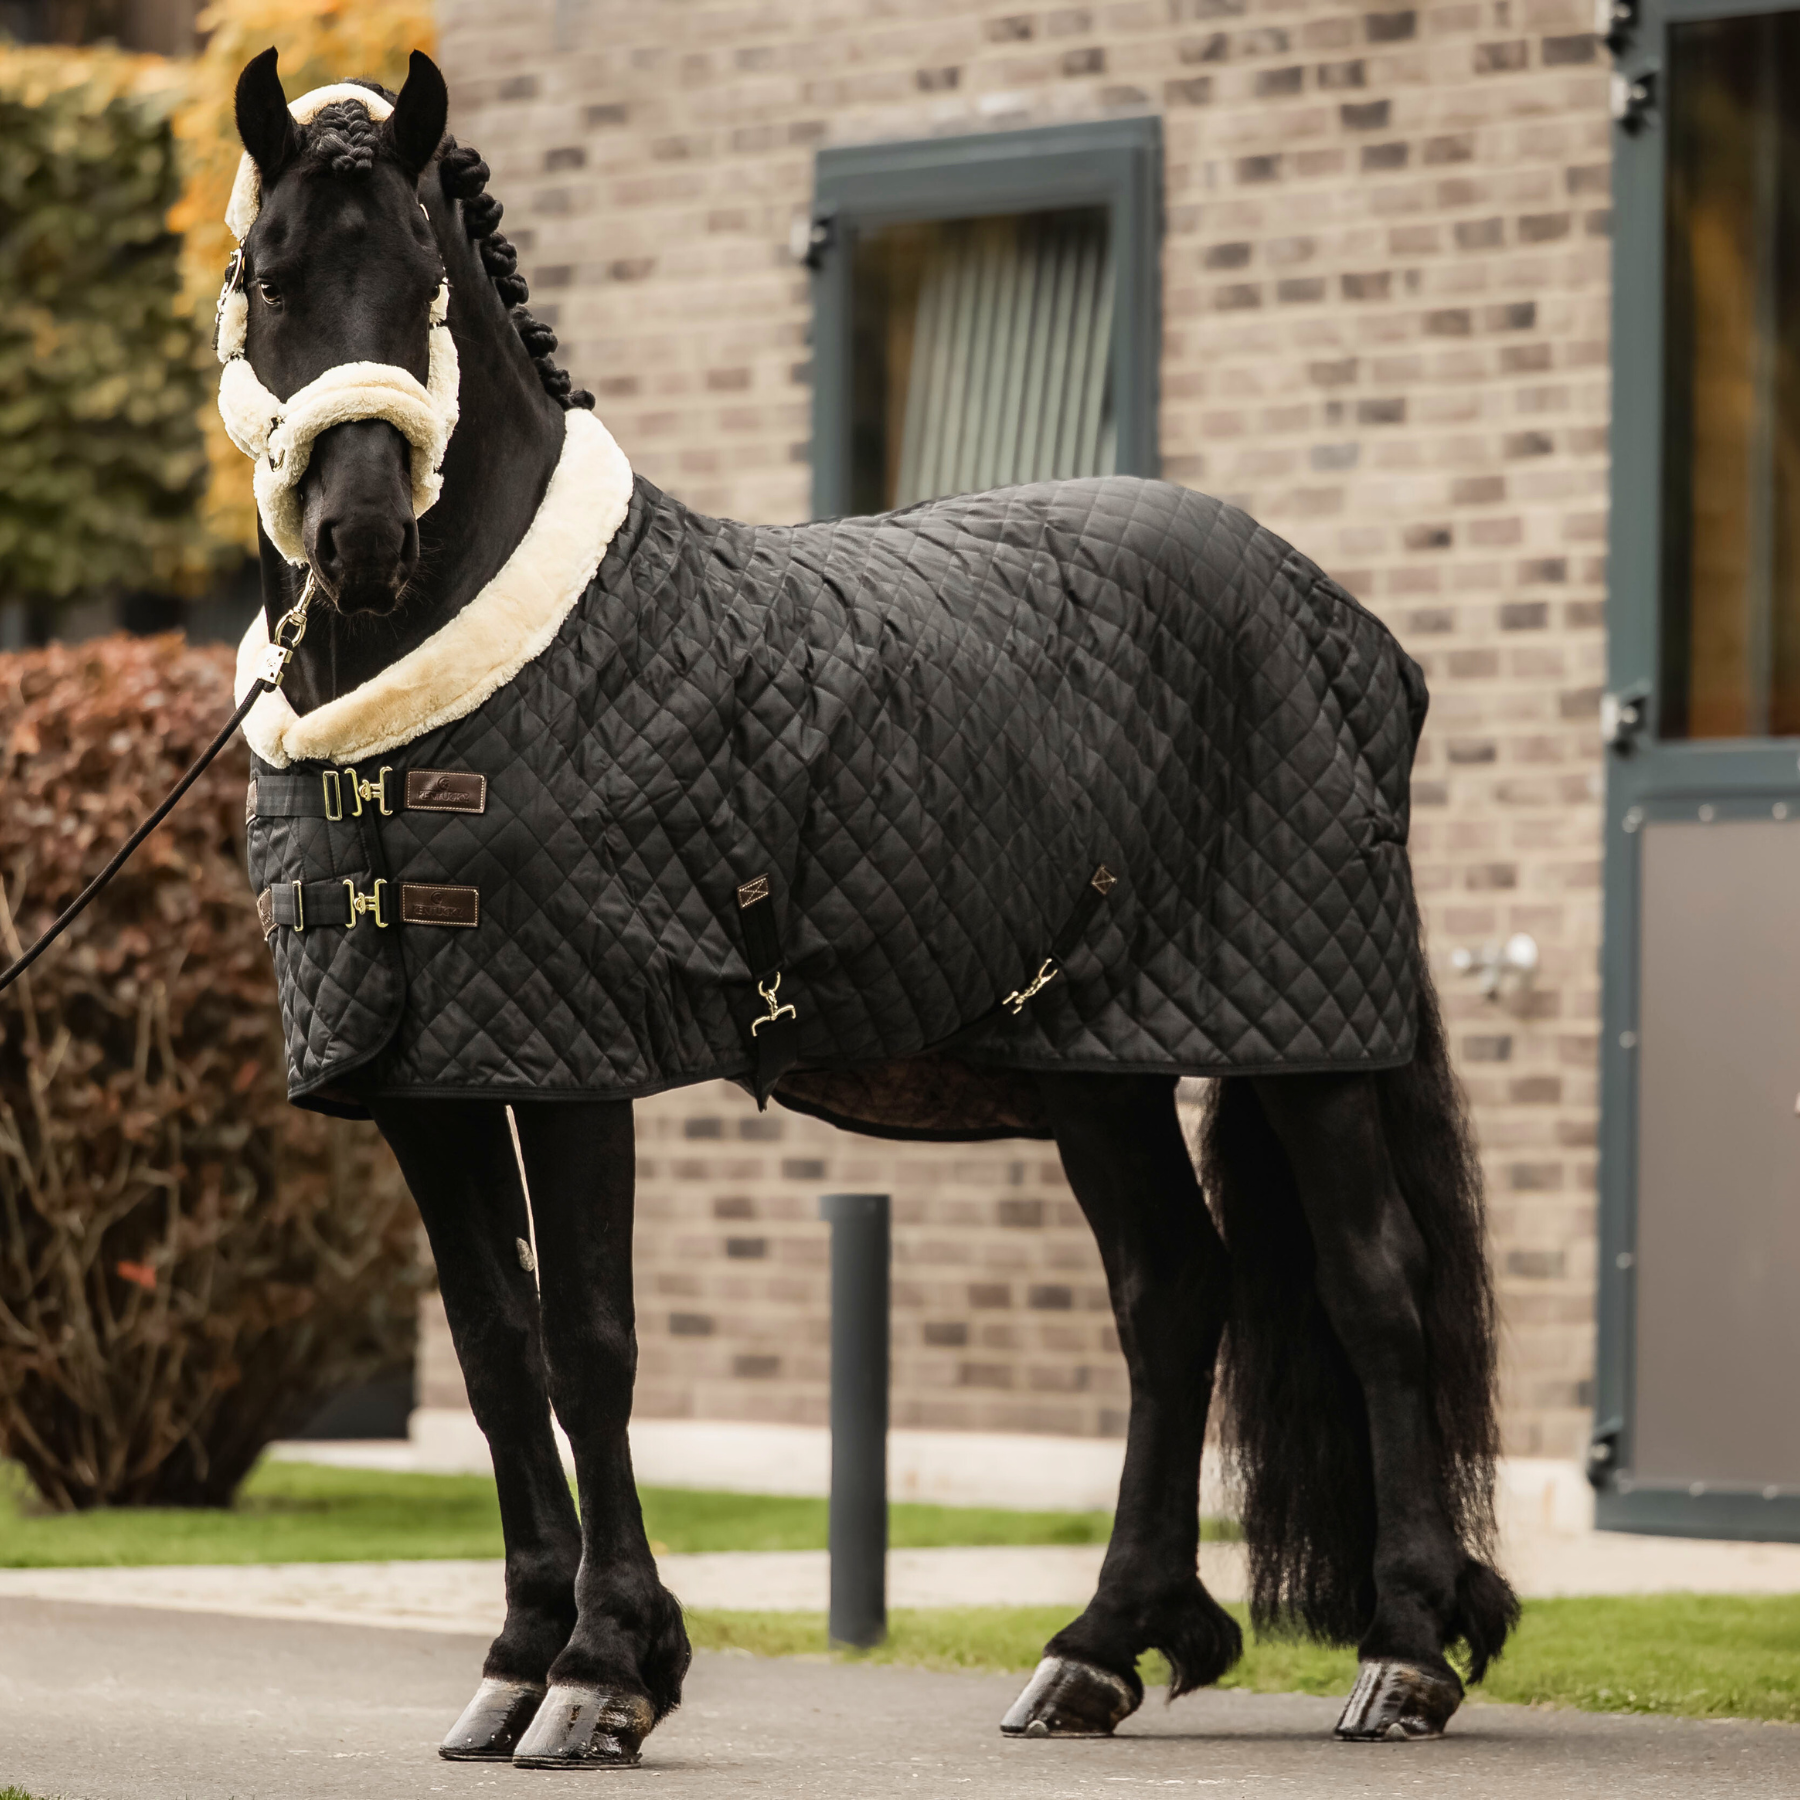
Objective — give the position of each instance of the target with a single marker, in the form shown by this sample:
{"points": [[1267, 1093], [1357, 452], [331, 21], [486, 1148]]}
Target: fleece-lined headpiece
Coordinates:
{"points": [[278, 434]]}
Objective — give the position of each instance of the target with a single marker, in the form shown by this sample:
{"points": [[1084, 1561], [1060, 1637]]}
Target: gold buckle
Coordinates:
{"points": [[1041, 980], [332, 783], [299, 906], [769, 990], [362, 789], [365, 903]]}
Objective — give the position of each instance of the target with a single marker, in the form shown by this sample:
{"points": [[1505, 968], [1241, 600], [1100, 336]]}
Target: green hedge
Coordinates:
{"points": [[102, 460]]}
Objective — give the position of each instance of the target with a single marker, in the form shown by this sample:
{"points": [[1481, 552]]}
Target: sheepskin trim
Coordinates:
{"points": [[234, 323], [246, 189], [513, 619], [278, 434]]}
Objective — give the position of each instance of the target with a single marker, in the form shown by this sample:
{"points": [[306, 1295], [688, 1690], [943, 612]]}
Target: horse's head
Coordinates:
{"points": [[340, 267]]}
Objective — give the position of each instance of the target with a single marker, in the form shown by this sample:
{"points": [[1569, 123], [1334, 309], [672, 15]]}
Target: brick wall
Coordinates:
{"points": [[1386, 297]]}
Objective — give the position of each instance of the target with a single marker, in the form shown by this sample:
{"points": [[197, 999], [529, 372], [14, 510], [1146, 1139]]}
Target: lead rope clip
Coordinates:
{"points": [[281, 649]]}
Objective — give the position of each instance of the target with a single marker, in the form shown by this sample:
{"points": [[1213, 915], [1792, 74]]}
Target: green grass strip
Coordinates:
{"points": [[1705, 1656], [305, 1512]]}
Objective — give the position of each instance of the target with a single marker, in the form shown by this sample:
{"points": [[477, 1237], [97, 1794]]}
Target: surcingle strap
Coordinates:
{"points": [[1063, 945], [775, 1032]]}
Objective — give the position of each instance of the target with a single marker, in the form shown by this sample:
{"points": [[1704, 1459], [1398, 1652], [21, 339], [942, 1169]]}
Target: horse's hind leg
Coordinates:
{"points": [[458, 1160], [1371, 1275], [622, 1668], [1122, 1147]]}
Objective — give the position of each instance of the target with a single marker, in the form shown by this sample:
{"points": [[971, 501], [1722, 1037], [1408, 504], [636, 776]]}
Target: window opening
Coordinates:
{"points": [[1731, 603], [982, 354]]}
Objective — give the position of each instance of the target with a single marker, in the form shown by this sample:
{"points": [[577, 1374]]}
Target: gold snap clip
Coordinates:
{"points": [[1041, 980], [768, 990]]}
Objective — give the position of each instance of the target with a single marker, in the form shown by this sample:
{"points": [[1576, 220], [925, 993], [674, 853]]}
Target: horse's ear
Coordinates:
{"points": [[420, 114], [263, 119]]}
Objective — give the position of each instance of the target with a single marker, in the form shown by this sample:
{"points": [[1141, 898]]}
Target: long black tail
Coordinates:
{"points": [[1295, 1425]]}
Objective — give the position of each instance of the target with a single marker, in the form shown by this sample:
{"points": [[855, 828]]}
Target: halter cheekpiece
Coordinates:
{"points": [[278, 434]]}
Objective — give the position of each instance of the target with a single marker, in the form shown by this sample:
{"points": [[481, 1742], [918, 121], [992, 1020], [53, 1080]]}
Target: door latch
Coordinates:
{"points": [[1623, 715]]}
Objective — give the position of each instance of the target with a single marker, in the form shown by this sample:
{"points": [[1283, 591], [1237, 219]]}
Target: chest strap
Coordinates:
{"points": [[346, 793], [302, 905]]}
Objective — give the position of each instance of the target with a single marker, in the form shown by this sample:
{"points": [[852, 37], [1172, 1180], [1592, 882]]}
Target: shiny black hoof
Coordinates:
{"points": [[1066, 1698], [585, 1728], [1396, 1701], [493, 1722]]}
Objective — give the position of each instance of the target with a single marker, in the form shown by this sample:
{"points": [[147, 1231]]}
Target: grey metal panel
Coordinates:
{"points": [[1718, 1199]]}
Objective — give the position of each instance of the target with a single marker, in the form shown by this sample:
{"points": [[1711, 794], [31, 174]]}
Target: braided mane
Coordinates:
{"points": [[345, 140]]}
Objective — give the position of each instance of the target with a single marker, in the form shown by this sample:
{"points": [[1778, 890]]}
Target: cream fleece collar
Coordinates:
{"points": [[513, 619]]}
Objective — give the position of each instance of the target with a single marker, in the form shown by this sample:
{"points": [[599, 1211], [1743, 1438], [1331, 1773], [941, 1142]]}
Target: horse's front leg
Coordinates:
{"points": [[622, 1668], [1125, 1156], [458, 1160]]}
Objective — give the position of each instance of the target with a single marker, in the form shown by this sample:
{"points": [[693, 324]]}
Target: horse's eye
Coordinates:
{"points": [[271, 296]]}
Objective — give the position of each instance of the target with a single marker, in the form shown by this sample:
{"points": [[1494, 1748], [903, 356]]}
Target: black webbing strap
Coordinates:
{"points": [[346, 793], [1063, 945], [775, 1032], [301, 905]]}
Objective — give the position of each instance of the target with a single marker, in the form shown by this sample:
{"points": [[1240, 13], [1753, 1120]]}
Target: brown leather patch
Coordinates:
{"points": [[428, 903], [265, 901], [445, 790], [250, 803]]}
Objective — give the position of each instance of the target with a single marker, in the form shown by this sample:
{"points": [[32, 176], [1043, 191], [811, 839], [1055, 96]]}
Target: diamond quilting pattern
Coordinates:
{"points": [[926, 729]]}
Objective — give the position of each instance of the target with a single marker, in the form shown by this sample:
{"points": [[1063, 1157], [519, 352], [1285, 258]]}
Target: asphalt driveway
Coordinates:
{"points": [[117, 1703]]}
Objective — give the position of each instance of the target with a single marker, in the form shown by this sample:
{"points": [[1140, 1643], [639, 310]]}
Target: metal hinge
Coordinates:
{"points": [[1623, 715], [811, 238], [1633, 99], [1614, 22], [1603, 1451]]}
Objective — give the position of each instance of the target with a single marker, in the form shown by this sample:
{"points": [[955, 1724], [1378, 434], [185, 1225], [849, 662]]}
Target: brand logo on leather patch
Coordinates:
{"points": [[265, 902], [250, 803], [445, 790], [753, 891], [424, 903]]}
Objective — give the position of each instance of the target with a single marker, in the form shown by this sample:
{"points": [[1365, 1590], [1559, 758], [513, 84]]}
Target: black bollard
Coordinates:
{"points": [[859, 1416]]}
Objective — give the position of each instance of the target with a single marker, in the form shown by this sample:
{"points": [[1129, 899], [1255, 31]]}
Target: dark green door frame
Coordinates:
{"points": [[1115, 163], [1647, 778]]}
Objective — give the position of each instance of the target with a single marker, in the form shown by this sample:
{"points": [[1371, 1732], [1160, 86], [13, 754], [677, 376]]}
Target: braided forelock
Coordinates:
{"points": [[343, 138]]}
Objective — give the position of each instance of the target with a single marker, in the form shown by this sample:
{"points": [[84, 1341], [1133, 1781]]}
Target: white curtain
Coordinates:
{"points": [[1009, 379]]}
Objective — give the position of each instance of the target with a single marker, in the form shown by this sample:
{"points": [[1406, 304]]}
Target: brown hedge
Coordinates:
{"points": [[187, 1265]]}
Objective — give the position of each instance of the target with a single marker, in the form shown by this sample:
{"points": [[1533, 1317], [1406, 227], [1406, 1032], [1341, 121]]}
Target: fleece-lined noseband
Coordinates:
{"points": [[278, 434]]}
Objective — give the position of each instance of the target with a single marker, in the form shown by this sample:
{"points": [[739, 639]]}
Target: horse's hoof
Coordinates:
{"points": [[493, 1722], [585, 1728], [1398, 1700], [1065, 1698]]}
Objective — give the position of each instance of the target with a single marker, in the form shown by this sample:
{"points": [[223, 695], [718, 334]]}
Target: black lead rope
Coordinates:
{"points": [[275, 662]]}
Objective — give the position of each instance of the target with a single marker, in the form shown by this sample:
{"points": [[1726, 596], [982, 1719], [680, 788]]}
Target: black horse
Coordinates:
{"points": [[1336, 1286]]}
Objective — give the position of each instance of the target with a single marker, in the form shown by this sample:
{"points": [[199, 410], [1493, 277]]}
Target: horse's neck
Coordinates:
{"points": [[508, 438]]}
